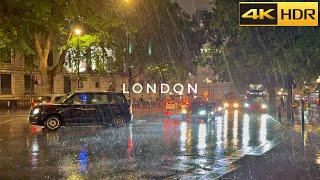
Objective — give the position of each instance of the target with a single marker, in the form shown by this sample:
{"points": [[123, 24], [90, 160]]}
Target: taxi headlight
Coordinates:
{"points": [[226, 105], [220, 108], [235, 105], [36, 111], [264, 106], [201, 113], [246, 105]]}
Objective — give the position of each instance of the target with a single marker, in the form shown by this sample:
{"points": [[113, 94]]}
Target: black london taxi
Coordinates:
{"points": [[83, 108]]}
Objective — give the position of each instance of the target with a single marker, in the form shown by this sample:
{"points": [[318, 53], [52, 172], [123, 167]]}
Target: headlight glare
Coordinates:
{"points": [[184, 111], [201, 113], [36, 111], [235, 105], [264, 106]]}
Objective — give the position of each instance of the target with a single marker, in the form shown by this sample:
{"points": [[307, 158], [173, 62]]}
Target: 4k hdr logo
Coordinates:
{"points": [[278, 13]]}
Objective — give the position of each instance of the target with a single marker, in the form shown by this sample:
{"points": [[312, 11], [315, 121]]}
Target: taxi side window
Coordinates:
{"points": [[81, 99], [115, 99], [100, 99]]}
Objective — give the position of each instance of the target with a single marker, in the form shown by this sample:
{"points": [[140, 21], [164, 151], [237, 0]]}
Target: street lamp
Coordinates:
{"points": [[78, 33]]}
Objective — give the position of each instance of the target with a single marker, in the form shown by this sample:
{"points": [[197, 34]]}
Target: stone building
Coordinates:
{"points": [[17, 80]]}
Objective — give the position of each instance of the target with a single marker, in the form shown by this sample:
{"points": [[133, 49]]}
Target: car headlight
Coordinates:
{"points": [[235, 105], [201, 113], [264, 106], [184, 111], [220, 108], [36, 111], [246, 105], [226, 105]]}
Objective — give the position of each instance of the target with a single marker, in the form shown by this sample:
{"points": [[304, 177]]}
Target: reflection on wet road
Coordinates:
{"points": [[143, 149]]}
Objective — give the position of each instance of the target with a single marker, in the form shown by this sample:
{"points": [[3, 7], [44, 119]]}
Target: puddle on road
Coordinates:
{"points": [[159, 148]]}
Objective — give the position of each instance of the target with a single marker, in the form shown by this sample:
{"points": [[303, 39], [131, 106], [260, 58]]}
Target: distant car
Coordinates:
{"points": [[171, 106], [83, 108], [231, 102], [256, 106], [201, 110], [46, 99], [185, 107], [217, 108]]}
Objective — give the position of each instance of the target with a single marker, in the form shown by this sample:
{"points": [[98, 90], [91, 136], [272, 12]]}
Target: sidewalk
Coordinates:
{"points": [[298, 157]]}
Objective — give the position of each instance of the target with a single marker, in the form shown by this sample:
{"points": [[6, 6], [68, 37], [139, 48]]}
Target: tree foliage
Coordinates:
{"points": [[272, 51], [159, 32]]}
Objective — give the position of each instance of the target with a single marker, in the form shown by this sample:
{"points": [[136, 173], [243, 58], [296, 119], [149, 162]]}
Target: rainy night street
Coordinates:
{"points": [[158, 148]]}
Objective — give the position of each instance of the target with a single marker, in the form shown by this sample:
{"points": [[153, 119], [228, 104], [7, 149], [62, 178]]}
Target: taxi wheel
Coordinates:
{"points": [[52, 123], [118, 121]]}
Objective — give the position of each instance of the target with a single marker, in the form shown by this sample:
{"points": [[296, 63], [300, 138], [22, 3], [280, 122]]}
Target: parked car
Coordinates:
{"points": [[83, 108], [46, 99]]}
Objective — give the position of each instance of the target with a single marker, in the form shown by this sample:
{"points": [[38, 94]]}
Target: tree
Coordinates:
{"points": [[272, 52]]}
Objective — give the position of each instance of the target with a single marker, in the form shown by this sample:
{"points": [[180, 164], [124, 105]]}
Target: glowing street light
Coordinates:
{"points": [[318, 80], [77, 31]]}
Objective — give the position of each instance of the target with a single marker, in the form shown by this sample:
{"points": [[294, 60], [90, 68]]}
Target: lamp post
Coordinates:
{"points": [[78, 33], [318, 84]]}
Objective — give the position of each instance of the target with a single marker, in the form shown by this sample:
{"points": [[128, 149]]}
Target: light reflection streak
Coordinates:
{"points": [[235, 128], [225, 129], [189, 139], [183, 136], [83, 160], [263, 130], [317, 160], [129, 144], [175, 132], [202, 145], [34, 153], [219, 149], [245, 132], [263, 133], [166, 132]]}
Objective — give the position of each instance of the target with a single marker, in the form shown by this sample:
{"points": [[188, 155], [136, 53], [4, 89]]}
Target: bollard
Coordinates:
{"points": [[302, 114]]}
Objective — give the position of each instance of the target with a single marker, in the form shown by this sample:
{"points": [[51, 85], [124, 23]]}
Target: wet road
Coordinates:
{"points": [[161, 148]]}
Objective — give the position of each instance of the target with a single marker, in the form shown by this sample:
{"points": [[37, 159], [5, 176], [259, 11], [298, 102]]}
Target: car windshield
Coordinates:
{"points": [[63, 99], [42, 99]]}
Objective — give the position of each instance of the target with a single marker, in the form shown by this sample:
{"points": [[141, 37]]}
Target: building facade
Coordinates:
{"points": [[19, 83]]}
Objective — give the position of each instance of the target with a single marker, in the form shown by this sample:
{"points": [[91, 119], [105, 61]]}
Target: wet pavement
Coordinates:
{"points": [[159, 148], [298, 157]]}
